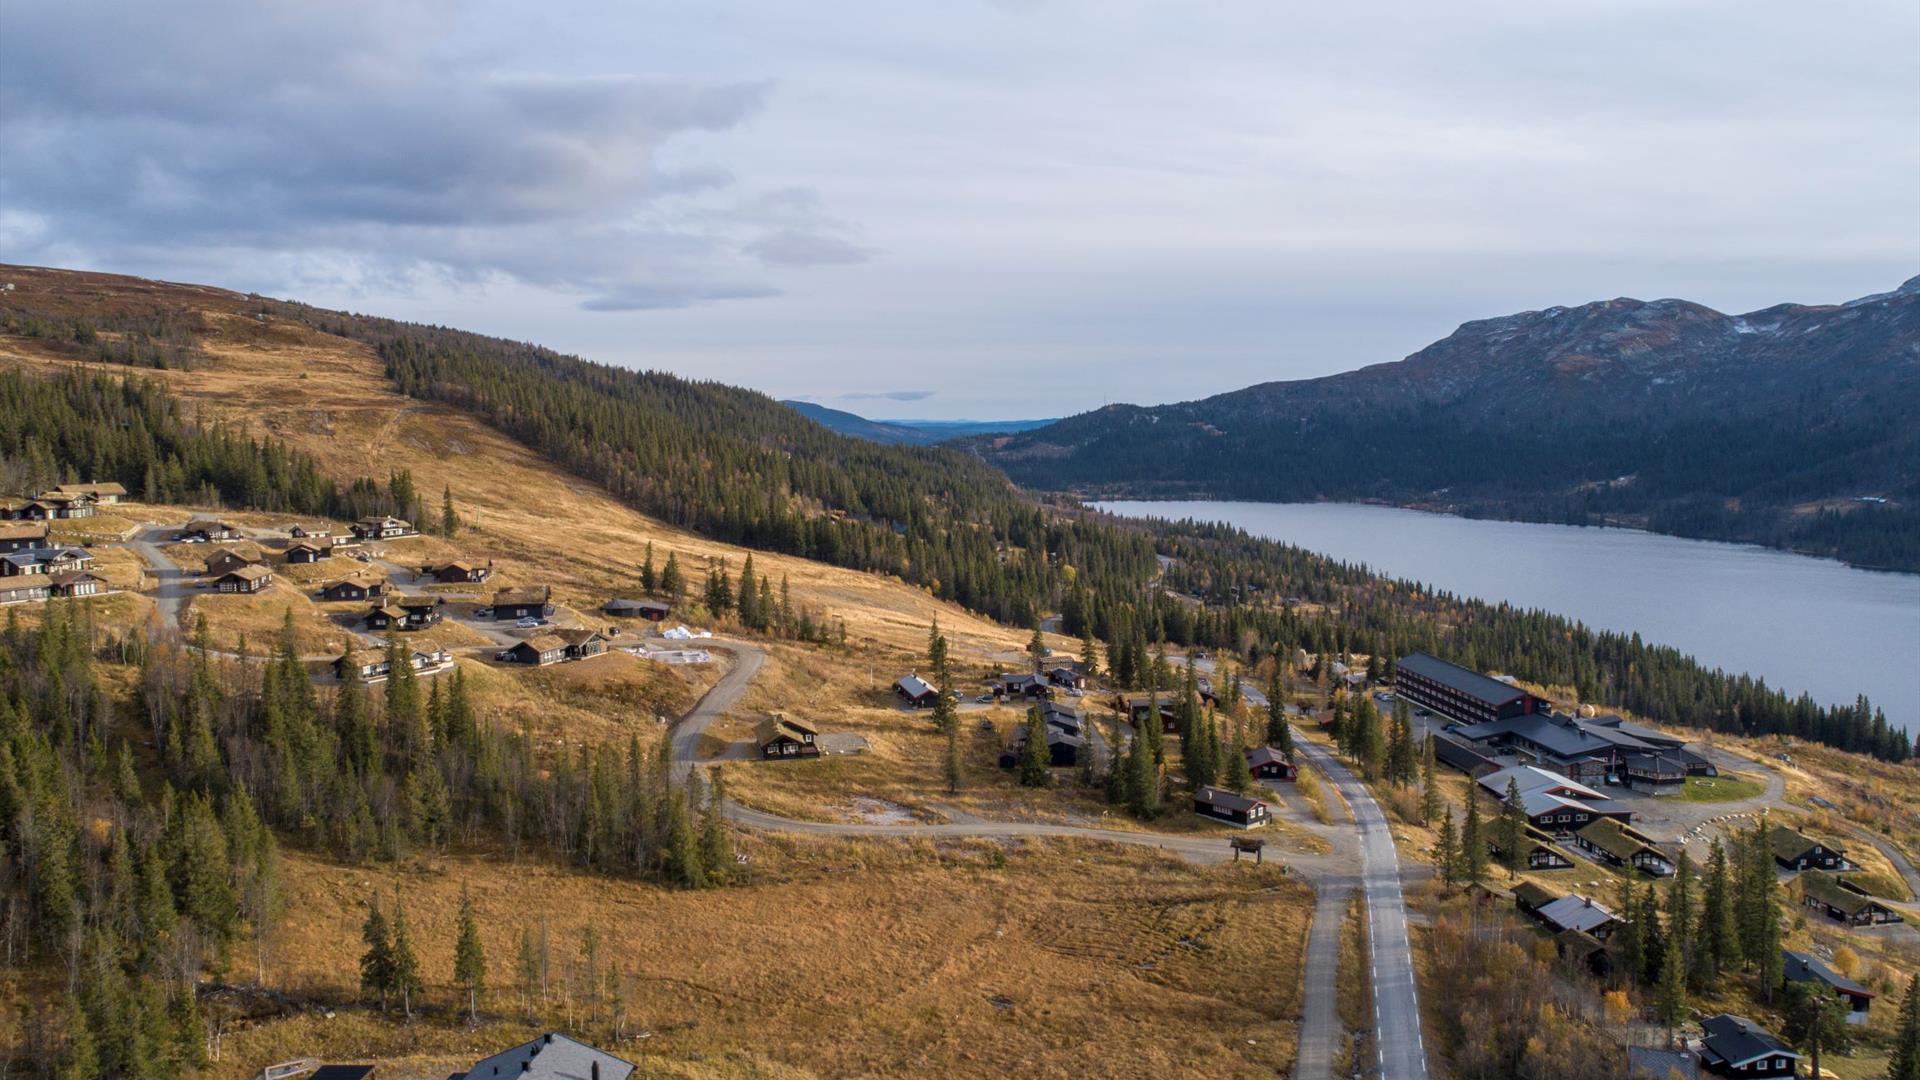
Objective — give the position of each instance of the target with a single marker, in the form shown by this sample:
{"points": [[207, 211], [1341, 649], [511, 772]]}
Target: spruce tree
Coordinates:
{"points": [[683, 848], [406, 965], [449, 521], [953, 765], [1512, 829], [376, 963], [1473, 845], [1430, 799], [1904, 1063], [716, 842], [672, 582], [1279, 732], [1143, 782], [648, 579], [1446, 850], [526, 969], [1034, 757], [1628, 941], [469, 959], [1239, 774], [1670, 997], [1716, 938]]}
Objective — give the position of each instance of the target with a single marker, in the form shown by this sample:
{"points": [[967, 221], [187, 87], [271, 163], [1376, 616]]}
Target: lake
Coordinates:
{"points": [[1801, 623]]}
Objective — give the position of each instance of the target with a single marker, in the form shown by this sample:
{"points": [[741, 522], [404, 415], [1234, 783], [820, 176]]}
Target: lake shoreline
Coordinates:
{"points": [[1633, 523], [1802, 623]]}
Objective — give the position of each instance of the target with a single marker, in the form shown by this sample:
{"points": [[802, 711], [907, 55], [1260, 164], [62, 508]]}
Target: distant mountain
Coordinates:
{"points": [[908, 432], [1778, 426]]}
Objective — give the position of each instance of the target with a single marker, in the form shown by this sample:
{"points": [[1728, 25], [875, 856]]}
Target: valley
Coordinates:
{"points": [[903, 902]]}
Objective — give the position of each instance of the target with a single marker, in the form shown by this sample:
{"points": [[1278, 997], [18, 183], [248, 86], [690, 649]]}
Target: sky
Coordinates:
{"points": [[1008, 209]]}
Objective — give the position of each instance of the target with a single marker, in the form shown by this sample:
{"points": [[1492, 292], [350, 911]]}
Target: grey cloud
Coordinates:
{"points": [[791, 247], [276, 128], [888, 395]]}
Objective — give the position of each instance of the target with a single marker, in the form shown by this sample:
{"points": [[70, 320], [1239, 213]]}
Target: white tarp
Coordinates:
{"points": [[681, 633]]}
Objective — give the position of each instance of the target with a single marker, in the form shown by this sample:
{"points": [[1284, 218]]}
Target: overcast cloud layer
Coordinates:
{"points": [[970, 210]]}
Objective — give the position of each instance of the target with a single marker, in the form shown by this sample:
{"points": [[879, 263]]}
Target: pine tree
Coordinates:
{"points": [[648, 579], [1037, 648], [469, 959], [749, 596], [1905, 1059], [81, 1059], [1034, 756], [376, 963], [406, 965], [449, 521], [1717, 937], [1089, 655], [1117, 765], [1202, 752]]}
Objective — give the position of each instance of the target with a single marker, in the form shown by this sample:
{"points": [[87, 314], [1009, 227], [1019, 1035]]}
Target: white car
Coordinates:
{"points": [[528, 623]]}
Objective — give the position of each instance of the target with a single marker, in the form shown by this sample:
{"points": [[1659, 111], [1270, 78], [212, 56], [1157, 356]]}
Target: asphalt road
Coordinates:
{"points": [[172, 586], [1396, 1005]]}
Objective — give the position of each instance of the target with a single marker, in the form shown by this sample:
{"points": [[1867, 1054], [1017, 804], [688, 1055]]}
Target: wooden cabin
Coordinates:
{"points": [[1270, 764], [1736, 1046], [781, 737], [650, 610], [225, 562], [305, 552], [582, 644], [1240, 811], [22, 535], [525, 602], [208, 530], [1807, 968], [539, 650], [1794, 850], [916, 692], [403, 613], [1842, 901], [458, 573], [354, 589], [383, 527], [1614, 844], [103, 494], [77, 583], [247, 579]]}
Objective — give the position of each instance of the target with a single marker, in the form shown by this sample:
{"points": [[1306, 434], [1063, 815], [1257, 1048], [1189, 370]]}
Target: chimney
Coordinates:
{"points": [[1588, 899], [596, 1071]]}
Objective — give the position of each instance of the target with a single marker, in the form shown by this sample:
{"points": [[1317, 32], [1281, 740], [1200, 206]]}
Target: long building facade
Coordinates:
{"points": [[1460, 694]]}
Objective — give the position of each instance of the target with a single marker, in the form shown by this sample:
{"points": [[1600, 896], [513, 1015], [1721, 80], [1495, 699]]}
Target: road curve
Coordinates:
{"points": [[1396, 1004]]}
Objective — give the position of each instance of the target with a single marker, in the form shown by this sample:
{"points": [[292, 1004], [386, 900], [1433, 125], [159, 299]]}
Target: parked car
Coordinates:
{"points": [[984, 699], [1074, 691], [503, 654], [529, 622], [483, 613]]}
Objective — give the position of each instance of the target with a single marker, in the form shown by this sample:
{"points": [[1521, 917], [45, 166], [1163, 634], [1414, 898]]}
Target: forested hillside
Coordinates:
{"points": [[739, 466], [1763, 427]]}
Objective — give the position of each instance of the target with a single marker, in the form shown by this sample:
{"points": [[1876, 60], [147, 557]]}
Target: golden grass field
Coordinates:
{"points": [[866, 959]]}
